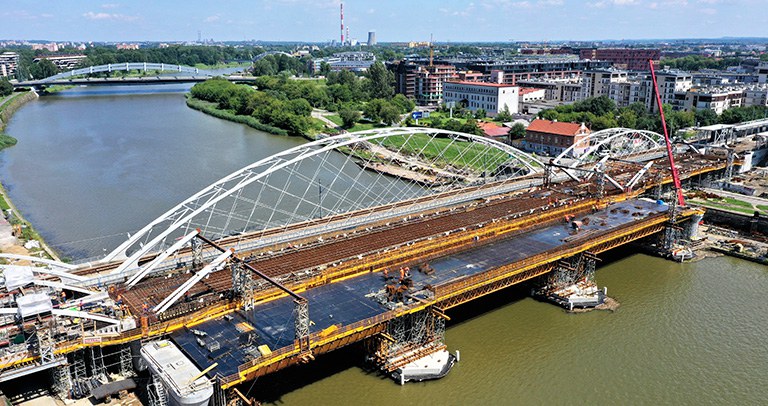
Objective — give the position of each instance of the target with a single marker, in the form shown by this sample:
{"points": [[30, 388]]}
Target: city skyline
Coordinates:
{"points": [[394, 21]]}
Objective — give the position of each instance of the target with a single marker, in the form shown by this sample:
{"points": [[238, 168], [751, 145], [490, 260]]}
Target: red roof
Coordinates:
{"points": [[555, 127], [526, 90], [492, 130], [466, 82]]}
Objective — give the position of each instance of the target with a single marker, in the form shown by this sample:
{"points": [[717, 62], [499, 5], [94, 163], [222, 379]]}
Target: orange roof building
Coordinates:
{"points": [[492, 130], [551, 138]]}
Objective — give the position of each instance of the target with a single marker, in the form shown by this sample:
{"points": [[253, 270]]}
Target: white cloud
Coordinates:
{"points": [[708, 11], [212, 19], [110, 5], [109, 17]]}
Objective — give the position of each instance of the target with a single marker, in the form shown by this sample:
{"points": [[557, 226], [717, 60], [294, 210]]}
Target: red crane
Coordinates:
{"points": [[675, 175]]}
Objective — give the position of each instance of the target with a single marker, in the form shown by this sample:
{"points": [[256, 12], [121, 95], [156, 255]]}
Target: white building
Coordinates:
{"points": [[491, 97], [715, 98], [9, 62], [762, 72], [670, 82], [756, 95], [597, 82], [565, 90]]}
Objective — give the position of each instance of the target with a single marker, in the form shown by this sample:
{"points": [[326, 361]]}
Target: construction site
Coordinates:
{"points": [[234, 284]]}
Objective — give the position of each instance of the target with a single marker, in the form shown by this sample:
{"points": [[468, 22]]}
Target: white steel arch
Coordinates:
{"points": [[126, 66], [268, 53], [620, 143], [372, 174]]}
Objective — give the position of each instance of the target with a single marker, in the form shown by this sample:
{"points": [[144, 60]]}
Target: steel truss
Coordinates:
{"points": [[619, 143], [317, 185]]}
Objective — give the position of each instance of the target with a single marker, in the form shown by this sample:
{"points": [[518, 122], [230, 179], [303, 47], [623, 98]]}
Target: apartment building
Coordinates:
{"points": [[491, 97], [9, 63]]}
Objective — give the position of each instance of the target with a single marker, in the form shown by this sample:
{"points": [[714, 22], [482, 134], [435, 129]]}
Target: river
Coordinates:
{"points": [[95, 163], [684, 334], [98, 162]]}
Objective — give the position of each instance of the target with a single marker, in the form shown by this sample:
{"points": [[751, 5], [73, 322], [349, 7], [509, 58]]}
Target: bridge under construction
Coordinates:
{"points": [[366, 237]]}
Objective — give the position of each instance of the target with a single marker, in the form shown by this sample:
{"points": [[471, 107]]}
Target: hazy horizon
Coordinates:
{"points": [[394, 21]]}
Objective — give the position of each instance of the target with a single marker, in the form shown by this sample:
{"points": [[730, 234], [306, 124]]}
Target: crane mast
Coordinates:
{"points": [[675, 174]]}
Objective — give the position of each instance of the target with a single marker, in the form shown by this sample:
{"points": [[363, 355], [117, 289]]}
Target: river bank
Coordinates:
{"points": [[213, 110], [9, 106], [17, 235]]}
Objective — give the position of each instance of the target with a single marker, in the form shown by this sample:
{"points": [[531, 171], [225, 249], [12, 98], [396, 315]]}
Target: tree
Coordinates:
{"points": [[516, 132], [6, 87], [325, 68], [405, 104], [627, 118], [380, 83], [471, 127], [349, 117], [705, 117], [372, 110], [43, 69], [504, 115], [480, 114], [389, 114]]}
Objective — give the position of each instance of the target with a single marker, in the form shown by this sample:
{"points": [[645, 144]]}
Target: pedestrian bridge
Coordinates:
{"points": [[168, 73]]}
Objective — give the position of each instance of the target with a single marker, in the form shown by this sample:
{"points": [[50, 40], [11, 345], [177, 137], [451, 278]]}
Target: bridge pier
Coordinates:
{"points": [[412, 348]]}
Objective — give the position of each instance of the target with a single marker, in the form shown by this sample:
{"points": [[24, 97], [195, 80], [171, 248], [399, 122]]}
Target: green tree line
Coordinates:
{"points": [[599, 113], [286, 103]]}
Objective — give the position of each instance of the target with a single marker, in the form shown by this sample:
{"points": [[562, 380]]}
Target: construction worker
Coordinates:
{"points": [[145, 308], [402, 273], [386, 273], [63, 296]]}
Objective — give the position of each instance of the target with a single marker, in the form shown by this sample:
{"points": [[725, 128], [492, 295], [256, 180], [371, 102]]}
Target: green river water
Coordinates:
{"points": [[684, 334]]}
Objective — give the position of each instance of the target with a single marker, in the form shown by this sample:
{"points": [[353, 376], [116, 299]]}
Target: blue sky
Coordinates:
{"points": [[393, 20]]}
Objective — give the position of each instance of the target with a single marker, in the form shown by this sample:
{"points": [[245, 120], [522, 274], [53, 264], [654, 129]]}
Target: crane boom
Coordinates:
{"points": [[675, 174]]}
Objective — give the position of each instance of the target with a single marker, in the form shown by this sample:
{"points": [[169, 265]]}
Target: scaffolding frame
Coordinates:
{"points": [[409, 337], [156, 393]]}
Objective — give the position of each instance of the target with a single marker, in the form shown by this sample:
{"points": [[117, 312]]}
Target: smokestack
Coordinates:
{"points": [[342, 23], [349, 39]]}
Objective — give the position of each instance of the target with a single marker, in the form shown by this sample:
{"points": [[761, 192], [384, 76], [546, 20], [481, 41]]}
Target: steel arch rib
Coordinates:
{"points": [[603, 137], [126, 66], [182, 213]]}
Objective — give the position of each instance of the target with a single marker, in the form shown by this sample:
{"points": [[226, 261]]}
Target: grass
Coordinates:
{"points": [[10, 100], [763, 207], [335, 118], [364, 125], [4, 204], [736, 202], [445, 151], [738, 209]]}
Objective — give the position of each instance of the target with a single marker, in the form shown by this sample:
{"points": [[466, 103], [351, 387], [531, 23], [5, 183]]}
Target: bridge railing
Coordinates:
{"points": [[127, 66]]}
